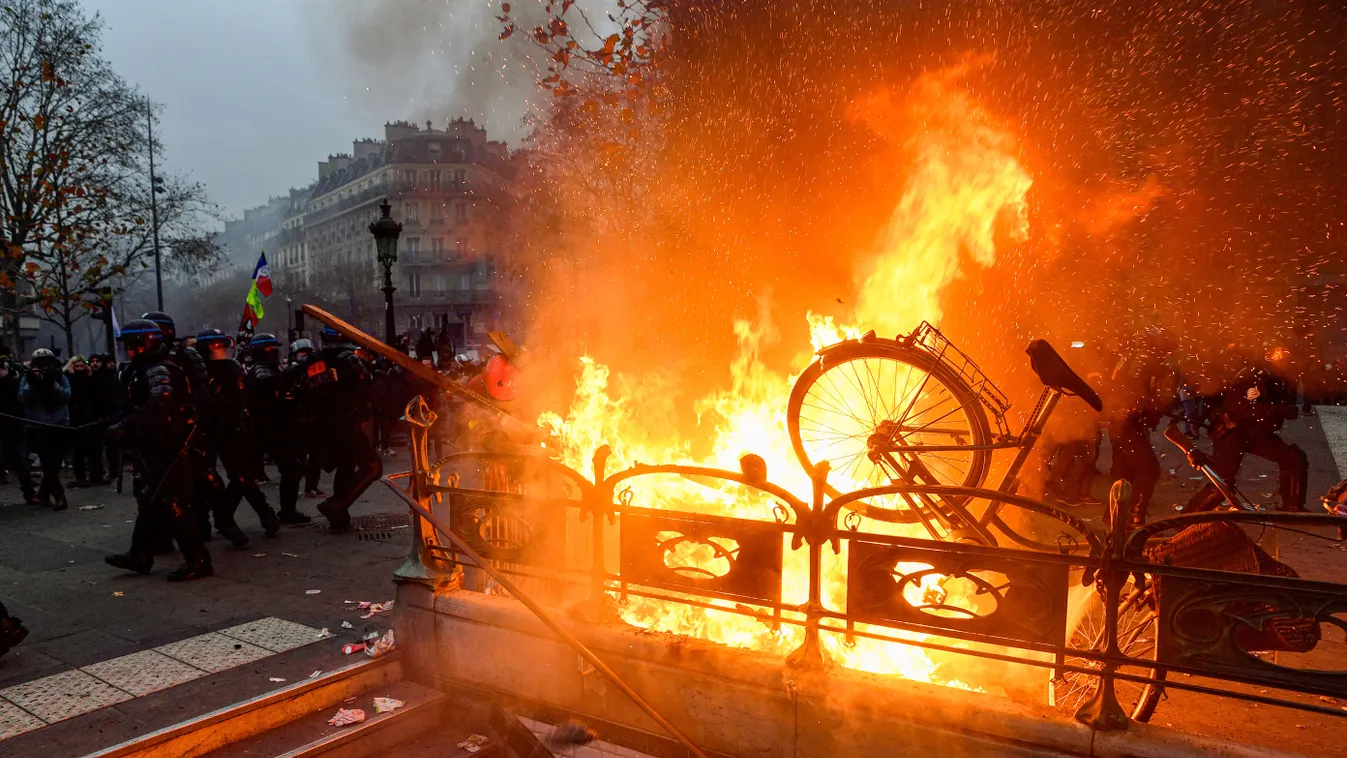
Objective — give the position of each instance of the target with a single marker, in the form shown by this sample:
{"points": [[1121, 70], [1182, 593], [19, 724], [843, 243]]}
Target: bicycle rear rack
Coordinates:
{"points": [[932, 340]]}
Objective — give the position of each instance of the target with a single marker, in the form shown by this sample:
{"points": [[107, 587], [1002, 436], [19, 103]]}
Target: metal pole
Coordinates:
{"points": [[107, 328], [154, 209], [390, 323]]}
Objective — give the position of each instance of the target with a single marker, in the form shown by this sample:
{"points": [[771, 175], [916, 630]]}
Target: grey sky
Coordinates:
{"points": [[256, 92], [248, 109]]}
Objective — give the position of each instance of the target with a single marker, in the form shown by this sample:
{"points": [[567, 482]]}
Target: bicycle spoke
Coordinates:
{"points": [[860, 388], [842, 410]]}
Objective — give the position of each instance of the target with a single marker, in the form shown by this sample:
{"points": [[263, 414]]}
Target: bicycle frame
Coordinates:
{"points": [[954, 517]]}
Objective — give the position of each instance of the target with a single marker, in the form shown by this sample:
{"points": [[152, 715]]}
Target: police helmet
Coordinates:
{"points": [[265, 347], [214, 339], [164, 321], [303, 343], [333, 337], [141, 333]]}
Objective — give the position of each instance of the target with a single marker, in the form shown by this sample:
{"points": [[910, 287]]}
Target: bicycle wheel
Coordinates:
{"points": [[1137, 630], [858, 393]]}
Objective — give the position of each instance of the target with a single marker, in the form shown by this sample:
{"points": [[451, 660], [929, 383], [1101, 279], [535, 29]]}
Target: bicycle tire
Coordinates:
{"points": [[970, 416], [1137, 610]]}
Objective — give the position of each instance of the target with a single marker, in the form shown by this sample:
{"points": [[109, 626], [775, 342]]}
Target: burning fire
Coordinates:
{"points": [[964, 190]]}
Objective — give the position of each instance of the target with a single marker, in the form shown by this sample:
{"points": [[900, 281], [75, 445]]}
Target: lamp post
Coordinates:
{"points": [[386, 232], [156, 186]]}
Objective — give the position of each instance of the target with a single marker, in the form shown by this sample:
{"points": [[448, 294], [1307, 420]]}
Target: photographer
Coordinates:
{"points": [[45, 396]]}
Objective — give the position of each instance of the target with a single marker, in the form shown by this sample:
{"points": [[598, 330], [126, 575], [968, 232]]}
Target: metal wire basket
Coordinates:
{"points": [[932, 340]]}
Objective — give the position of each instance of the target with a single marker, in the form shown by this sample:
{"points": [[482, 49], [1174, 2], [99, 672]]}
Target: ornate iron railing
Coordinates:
{"points": [[556, 532]]}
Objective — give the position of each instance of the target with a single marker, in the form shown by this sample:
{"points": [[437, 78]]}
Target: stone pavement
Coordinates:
{"points": [[80, 611]]}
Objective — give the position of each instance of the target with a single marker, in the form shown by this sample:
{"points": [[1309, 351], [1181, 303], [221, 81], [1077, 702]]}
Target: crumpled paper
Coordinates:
{"points": [[380, 646], [374, 608], [473, 743], [347, 717], [387, 704]]}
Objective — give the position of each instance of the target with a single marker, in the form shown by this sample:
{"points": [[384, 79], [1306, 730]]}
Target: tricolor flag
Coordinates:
{"points": [[252, 308]]}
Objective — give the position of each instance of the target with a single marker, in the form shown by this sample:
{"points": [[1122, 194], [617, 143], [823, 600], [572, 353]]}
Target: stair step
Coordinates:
{"points": [[543, 731], [241, 721], [310, 735]]}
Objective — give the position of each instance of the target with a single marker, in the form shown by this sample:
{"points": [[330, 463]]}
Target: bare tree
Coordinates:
{"points": [[74, 184], [346, 287]]}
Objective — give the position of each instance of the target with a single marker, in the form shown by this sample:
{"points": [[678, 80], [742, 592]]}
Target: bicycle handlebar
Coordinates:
{"points": [[1174, 434], [1198, 460]]}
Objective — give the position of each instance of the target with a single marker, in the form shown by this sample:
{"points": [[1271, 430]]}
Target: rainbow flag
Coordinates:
{"points": [[252, 307]]}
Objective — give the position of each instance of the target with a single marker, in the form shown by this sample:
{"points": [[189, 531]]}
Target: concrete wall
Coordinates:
{"points": [[739, 702]]}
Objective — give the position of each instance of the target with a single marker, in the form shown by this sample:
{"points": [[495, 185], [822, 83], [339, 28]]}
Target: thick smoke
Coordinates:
{"points": [[1184, 157], [429, 59]]}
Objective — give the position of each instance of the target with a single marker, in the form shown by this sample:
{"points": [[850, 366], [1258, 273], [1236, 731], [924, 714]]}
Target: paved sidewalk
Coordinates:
{"points": [[81, 611]]}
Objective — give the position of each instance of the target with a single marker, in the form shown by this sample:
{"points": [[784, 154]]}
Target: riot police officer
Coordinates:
{"points": [[208, 486], [337, 389], [1247, 420], [226, 436], [181, 353], [300, 350], [1142, 388], [308, 450], [156, 422], [273, 417]]}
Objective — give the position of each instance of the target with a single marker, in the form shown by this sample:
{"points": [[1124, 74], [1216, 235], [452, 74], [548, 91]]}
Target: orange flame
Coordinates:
{"points": [[965, 191]]}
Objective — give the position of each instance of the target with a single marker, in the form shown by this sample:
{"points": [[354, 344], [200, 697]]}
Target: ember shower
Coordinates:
{"points": [[1008, 170]]}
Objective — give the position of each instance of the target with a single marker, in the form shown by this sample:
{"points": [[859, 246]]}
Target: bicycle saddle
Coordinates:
{"points": [[1054, 373]]}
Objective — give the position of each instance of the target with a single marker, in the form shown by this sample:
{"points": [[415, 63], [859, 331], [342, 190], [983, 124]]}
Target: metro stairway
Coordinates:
{"points": [[293, 722]]}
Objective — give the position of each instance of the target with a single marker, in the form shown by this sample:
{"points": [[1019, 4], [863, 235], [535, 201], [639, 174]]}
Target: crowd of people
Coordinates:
{"points": [[195, 422], [1242, 414], [46, 406]]}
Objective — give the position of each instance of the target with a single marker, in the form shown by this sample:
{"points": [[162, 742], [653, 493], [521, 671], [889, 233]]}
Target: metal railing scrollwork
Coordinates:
{"points": [[1154, 606]]}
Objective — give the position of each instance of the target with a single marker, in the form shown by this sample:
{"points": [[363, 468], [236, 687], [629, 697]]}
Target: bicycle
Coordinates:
{"points": [[917, 411], [1211, 545]]}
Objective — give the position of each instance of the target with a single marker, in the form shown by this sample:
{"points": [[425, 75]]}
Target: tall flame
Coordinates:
{"points": [[964, 190]]}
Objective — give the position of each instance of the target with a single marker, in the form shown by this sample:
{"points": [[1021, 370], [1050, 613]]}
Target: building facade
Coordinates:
{"points": [[446, 187]]}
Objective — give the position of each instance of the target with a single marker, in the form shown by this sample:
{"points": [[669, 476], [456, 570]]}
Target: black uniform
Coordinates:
{"points": [[156, 424], [1247, 419], [227, 439], [13, 433], [1141, 391], [207, 486], [106, 396], [88, 442], [273, 431], [337, 389]]}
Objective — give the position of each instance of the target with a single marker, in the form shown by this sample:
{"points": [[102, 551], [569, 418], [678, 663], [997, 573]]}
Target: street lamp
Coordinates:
{"points": [[156, 187], [386, 232]]}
